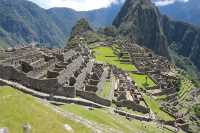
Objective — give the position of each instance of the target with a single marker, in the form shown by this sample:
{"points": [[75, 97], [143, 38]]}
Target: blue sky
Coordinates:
{"points": [[85, 5]]}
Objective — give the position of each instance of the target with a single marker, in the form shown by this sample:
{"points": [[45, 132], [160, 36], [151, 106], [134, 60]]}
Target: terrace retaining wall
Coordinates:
{"points": [[132, 105], [93, 97]]}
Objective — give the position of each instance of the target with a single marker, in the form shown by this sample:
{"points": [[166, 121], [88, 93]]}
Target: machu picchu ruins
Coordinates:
{"points": [[76, 72], [127, 77]]}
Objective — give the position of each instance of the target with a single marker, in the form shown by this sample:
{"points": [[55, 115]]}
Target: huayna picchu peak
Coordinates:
{"points": [[138, 75]]}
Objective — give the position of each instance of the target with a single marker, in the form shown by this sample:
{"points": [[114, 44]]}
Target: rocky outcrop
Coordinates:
{"points": [[140, 21]]}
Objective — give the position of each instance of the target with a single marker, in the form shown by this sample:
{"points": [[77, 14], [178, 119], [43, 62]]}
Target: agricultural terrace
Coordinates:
{"points": [[142, 81], [106, 55]]}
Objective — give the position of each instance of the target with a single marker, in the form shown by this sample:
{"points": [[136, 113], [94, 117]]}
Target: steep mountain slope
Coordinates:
{"points": [[24, 22], [140, 21], [184, 39], [183, 11]]}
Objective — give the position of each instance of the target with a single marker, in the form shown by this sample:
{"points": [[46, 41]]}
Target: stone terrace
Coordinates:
{"points": [[63, 72], [160, 71]]}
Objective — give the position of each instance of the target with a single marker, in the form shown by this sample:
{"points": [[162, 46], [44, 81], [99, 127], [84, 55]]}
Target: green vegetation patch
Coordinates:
{"points": [[107, 56], [110, 120], [17, 109], [142, 81], [196, 109], [185, 86], [105, 93], [154, 106]]}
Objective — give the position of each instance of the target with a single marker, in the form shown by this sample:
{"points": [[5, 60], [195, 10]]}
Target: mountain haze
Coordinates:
{"points": [[183, 11]]}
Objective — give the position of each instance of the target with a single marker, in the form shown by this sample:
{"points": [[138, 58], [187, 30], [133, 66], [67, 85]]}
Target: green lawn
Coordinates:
{"points": [[17, 108], [154, 106], [107, 56], [106, 90], [141, 80], [114, 121]]}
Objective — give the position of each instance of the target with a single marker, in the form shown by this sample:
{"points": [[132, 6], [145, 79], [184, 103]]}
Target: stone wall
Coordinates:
{"points": [[133, 106], [45, 85], [2, 83], [93, 97]]}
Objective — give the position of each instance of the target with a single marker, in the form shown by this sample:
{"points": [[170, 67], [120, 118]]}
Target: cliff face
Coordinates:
{"points": [[184, 37], [140, 21]]}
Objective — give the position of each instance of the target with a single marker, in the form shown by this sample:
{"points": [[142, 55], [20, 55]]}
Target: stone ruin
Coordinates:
{"points": [[161, 71], [127, 94], [59, 72], [72, 72]]}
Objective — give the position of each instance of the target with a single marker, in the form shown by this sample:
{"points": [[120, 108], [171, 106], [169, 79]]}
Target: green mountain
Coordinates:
{"points": [[24, 22], [142, 22]]}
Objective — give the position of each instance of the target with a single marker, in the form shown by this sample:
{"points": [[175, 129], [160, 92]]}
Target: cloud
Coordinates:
{"points": [[79, 5], [167, 2]]}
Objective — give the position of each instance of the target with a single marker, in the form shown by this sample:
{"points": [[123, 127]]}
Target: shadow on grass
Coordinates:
{"points": [[110, 56]]}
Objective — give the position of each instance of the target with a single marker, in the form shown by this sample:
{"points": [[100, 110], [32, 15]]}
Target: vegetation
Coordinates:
{"points": [[105, 117], [185, 86], [106, 55], [142, 81], [105, 92], [17, 109], [154, 106], [196, 109]]}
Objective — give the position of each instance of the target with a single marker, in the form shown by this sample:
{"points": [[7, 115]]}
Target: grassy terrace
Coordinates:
{"points": [[156, 109], [186, 86], [105, 93], [107, 56], [17, 109], [114, 121], [141, 80]]}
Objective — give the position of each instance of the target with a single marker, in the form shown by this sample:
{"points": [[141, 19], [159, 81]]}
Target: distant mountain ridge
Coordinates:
{"points": [[24, 22], [183, 11]]}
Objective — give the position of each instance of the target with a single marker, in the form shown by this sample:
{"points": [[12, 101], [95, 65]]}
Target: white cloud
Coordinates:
{"points": [[79, 5], [167, 2]]}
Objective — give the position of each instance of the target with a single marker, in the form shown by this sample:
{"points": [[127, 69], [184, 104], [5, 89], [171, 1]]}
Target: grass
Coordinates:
{"points": [[114, 121], [107, 56], [106, 90], [186, 86], [162, 97], [17, 108], [154, 106], [141, 80]]}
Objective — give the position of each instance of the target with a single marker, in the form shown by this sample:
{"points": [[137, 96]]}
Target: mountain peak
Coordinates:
{"points": [[140, 21], [81, 26]]}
